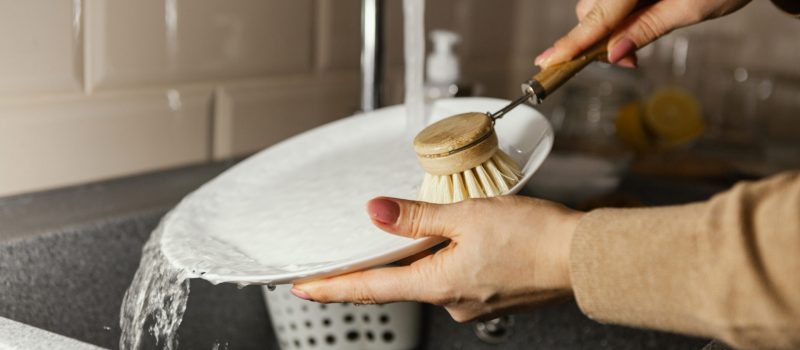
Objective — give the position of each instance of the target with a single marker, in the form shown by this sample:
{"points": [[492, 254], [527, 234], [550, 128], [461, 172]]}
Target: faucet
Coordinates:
{"points": [[372, 55]]}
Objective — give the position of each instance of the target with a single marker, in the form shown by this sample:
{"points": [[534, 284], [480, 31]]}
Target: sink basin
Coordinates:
{"points": [[67, 256]]}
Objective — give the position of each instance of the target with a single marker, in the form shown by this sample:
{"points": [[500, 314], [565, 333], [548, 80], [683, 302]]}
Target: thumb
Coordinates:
{"points": [[413, 219], [645, 26]]}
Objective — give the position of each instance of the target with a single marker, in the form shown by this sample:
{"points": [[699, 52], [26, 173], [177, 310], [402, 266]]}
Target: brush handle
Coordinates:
{"points": [[545, 82]]}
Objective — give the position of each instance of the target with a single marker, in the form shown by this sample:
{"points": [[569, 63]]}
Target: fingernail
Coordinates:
{"points": [[383, 210], [542, 56], [623, 47], [301, 294], [627, 63]]}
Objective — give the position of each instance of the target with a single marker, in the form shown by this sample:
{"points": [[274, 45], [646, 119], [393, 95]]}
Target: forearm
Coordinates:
{"points": [[727, 268]]}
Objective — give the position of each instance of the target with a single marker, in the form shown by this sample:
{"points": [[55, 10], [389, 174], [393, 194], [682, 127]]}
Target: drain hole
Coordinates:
{"points": [[388, 336], [326, 322], [312, 341], [348, 318], [330, 339], [352, 335], [370, 336], [323, 306], [304, 308], [293, 326], [297, 343], [384, 319], [366, 318], [308, 324]]}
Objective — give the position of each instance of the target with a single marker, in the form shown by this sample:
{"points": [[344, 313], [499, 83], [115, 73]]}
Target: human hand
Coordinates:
{"points": [[631, 24], [505, 253]]}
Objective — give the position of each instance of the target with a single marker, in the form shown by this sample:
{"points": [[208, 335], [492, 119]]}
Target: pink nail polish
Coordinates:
{"points": [[542, 56], [626, 63], [301, 294], [383, 210], [623, 47]]}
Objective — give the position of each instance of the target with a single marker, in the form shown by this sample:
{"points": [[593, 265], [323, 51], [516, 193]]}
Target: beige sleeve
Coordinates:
{"points": [[727, 268]]}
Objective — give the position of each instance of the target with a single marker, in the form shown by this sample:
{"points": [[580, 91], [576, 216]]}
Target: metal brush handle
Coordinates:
{"points": [[545, 82]]}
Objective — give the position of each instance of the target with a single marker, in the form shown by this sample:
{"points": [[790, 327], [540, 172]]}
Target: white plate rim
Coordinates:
{"points": [[540, 152]]}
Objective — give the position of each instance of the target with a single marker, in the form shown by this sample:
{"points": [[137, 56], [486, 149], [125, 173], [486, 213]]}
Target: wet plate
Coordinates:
{"points": [[296, 210]]}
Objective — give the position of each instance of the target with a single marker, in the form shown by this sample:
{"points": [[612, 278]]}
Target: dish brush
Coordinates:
{"points": [[461, 159], [460, 154]]}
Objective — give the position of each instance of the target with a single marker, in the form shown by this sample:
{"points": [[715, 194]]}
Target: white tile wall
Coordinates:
{"points": [[163, 42], [253, 115], [278, 67], [338, 34], [68, 140], [490, 30], [40, 47]]}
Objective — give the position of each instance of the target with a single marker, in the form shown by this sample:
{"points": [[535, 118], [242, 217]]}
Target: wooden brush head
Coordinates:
{"points": [[456, 143]]}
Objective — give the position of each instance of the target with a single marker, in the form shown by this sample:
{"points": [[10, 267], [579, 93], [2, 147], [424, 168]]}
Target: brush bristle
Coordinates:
{"points": [[494, 177]]}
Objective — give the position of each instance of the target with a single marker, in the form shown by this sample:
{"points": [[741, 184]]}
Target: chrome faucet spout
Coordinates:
{"points": [[372, 56]]}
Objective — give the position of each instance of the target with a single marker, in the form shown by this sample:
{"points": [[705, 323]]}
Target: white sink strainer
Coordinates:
{"points": [[301, 324]]}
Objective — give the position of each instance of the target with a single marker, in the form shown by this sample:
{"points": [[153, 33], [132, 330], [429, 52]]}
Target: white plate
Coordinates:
{"points": [[296, 210]]}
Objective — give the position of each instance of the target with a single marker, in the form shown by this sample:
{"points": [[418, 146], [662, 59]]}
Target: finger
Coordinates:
{"points": [[630, 61], [598, 22], [645, 26], [377, 286], [412, 218], [583, 7]]}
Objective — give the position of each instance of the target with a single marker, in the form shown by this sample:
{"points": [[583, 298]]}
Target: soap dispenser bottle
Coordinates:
{"points": [[442, 69]]}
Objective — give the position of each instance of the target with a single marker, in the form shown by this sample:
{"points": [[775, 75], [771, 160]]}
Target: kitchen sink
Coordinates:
{"points": [[68, 255]]}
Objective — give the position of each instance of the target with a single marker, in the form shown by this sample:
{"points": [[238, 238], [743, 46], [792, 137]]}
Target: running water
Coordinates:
{"points": [[414, 46], [156, 299]]}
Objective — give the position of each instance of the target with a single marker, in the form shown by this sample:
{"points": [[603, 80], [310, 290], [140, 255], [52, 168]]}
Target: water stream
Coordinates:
{"points": [[155, 301], [414, 46]]}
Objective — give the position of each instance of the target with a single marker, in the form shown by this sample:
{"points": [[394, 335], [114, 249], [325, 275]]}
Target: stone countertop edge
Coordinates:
{"points": [[19, 336]]}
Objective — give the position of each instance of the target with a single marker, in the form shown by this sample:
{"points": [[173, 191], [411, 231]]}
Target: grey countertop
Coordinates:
{"points": [[35, 213]]}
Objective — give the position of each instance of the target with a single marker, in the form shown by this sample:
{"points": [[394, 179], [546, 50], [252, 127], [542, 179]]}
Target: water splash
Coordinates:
{"points": [[156, 297]]}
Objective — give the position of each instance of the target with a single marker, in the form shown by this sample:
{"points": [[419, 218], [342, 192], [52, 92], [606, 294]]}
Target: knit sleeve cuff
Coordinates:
{"points": [[637, 266]]}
